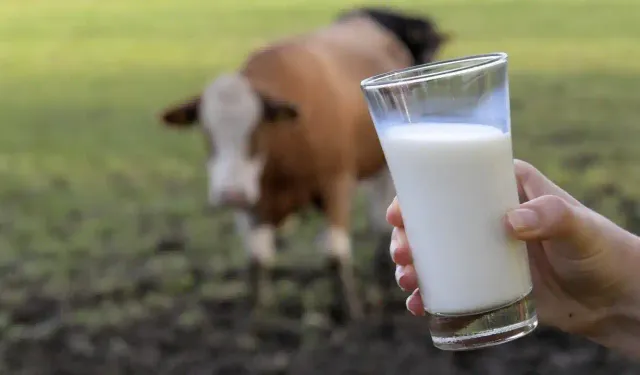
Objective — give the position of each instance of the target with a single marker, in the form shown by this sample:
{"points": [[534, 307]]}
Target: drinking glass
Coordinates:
{"points": [[445, 131]]}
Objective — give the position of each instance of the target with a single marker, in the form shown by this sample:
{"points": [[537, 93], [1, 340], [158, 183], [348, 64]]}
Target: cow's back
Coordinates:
{"points": [[321, 73], [350, 51], [359, 48]]}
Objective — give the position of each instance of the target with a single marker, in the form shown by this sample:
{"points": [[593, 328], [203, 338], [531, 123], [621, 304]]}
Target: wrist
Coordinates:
{"points": [[618, 329], [618, 326]]}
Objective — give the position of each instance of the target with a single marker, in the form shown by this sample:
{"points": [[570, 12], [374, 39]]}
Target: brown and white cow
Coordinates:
{"points": [[291, 129]]}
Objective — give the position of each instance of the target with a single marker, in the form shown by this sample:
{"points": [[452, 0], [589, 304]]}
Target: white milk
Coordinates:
{"points": [[455, 183]]}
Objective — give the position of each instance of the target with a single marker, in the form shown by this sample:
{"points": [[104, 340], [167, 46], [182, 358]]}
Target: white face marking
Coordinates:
{"points": [[230, 111]]}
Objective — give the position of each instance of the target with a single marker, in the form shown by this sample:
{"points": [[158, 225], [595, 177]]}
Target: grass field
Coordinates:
{"points": [[91, 182]]}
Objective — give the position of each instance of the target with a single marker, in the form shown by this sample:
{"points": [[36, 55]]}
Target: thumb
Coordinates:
{"points": [[533, 184], [552, 217]]}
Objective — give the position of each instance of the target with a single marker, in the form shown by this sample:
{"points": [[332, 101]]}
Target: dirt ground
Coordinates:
{"points": [[289, 340]]}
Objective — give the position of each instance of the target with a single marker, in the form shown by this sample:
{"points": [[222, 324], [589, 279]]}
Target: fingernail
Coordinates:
{"points": [[392, 249], [417, 310], [400, 276], [400, 243], [400, 282], [523, 219], [406, 304]]}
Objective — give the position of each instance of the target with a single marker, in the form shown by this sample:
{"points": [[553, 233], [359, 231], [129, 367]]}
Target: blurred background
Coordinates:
{"points": [[109, 262]]}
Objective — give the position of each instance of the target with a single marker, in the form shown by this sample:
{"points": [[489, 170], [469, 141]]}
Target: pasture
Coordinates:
{"points": [[109, 262]]}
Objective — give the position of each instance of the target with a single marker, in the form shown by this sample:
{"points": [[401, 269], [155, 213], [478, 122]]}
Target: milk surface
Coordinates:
{"points": [[455, 182]]}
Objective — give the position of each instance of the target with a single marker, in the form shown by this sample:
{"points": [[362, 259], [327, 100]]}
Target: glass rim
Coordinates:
{"points": [[475, 63]]}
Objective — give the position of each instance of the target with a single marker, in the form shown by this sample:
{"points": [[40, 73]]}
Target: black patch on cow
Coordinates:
{"points": [[419, 34]]}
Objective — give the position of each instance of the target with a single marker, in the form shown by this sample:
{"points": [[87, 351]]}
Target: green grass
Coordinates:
{"points": [[90, 181]]}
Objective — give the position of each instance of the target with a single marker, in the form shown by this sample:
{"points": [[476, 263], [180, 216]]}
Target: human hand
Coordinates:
{"points": [[583, 266]]}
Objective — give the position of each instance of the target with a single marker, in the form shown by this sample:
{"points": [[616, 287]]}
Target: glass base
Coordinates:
{"points": [[495, 327]]}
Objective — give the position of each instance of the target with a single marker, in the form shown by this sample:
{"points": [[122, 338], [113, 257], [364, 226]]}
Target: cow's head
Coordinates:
{"points": [[234, 118], [419, 33]]}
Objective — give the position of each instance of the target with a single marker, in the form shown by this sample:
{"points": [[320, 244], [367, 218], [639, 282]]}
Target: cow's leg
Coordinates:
{"points": [[290, 226], [379, 192], [259, 242], [337, 242]]}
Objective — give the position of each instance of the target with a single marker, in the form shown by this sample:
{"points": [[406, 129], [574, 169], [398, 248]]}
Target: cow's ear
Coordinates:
{"points": [[182, 115], [276, 110]]}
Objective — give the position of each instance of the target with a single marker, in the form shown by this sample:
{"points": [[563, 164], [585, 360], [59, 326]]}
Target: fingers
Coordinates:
{"points": [[394, 217], [399, 248], [406, 277], [533, 184], [414, 303]]}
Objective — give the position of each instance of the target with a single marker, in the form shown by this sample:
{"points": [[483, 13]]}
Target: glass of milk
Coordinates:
{"points": [[446, 134]]}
